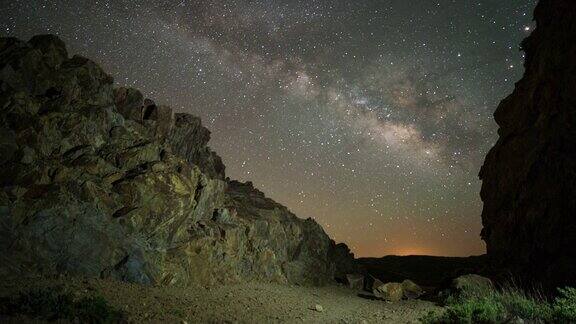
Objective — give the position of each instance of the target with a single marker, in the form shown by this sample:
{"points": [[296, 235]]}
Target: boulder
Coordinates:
{"points": [[371, 283], [355, 281], [391, 291], [471, 283], [411, 290]]}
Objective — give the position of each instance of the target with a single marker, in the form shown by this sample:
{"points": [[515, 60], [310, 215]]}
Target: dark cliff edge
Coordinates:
{"points": [[529, 176], [101, 182]]}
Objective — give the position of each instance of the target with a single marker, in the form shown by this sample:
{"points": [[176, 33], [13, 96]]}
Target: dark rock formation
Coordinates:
{"points": [[529, 176], [104, 183]]}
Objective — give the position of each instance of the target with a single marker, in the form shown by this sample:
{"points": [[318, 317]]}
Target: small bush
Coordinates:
{"points": [[475, 310], [518, 304], [564, 307], [500, 306], [53, 304]]}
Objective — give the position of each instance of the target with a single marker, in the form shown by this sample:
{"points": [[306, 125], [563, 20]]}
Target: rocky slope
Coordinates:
{"points": [[102, 182], [529, 177]]}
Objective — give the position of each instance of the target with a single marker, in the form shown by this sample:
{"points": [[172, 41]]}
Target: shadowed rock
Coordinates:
{"points": [[355, 281], [529, 176], [195, 152], [471, 283], [130, 103], [411, 290]]}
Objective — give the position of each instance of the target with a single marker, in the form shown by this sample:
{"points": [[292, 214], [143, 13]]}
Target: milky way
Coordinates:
{"points": [[373, 117]]}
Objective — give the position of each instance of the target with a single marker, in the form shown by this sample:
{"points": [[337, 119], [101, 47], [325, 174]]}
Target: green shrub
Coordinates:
{"points": [[475, 310], [53, 304], [564, 307], [500, 306], [518, 304]]}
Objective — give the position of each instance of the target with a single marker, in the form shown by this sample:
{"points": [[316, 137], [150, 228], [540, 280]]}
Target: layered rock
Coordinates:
{"points": [[176, 129], [529, 176], [102, 182]]}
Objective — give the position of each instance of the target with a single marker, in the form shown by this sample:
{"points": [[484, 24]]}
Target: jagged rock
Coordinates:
{"points": [[159, 118], [130, 103], [303, 244], [411, 290], [52, 48], [196, 152], [99, 182], [225, 216], [529, 175], [391, 291]]}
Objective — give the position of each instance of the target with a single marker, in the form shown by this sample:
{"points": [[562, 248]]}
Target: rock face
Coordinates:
{"points": [[101, 182], [529, 176]]}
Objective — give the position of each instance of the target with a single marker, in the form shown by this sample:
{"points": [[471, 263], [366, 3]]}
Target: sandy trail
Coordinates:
{"points": [[239, 303]]}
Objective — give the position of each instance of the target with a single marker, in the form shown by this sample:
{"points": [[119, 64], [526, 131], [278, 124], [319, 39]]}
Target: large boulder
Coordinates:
{"points": [[529, 176], [100, 182], [395, 291], [411, 290], [391, 291], [470, 283]]}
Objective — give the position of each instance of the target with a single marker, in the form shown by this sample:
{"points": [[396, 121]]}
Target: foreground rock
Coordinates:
{"points": [[391, 291], [411, 290], [355, 281], [395, 291], [529, 176], [104, 183]]}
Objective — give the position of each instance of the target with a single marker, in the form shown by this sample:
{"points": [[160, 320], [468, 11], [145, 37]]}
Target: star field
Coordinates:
{"points": [[373, 117]]}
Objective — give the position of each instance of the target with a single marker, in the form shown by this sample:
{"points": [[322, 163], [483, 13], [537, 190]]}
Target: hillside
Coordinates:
{"points": [[101, 182]]}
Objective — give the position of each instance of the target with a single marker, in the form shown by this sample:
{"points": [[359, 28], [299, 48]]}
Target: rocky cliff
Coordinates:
{"points": [[102, 182], [529, 177]]}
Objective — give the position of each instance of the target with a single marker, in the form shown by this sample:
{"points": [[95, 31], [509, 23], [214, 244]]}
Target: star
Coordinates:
{"points": [[362, 114]]}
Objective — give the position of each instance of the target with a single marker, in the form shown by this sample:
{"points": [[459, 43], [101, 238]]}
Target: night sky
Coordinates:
{"points": [[373, 117]]}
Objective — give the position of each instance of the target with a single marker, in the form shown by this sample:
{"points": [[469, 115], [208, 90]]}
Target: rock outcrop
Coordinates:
{"points": [[102, 182], [529, 176]]}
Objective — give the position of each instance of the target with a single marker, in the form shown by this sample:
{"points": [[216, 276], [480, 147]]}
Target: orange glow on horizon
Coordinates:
{"points": [[376, 251]]}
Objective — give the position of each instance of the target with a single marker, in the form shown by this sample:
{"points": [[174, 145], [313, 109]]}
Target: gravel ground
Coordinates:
{"points": [[240, 303]]}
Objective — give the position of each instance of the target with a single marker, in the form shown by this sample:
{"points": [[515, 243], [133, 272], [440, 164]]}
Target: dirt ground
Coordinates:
{"points": [[240, 303]]}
